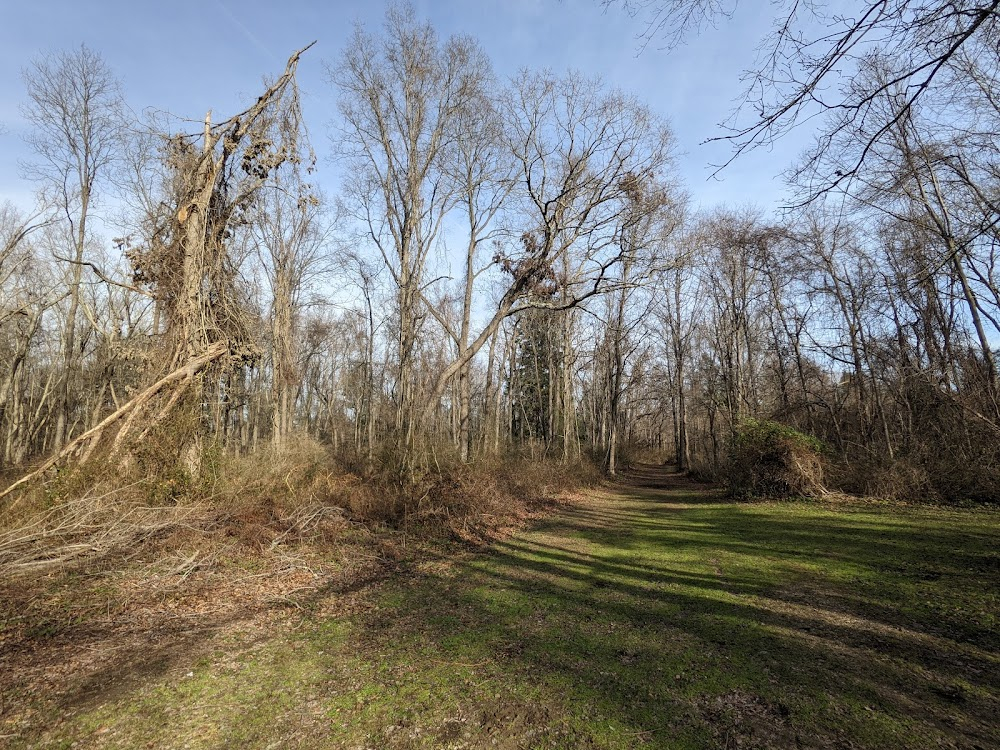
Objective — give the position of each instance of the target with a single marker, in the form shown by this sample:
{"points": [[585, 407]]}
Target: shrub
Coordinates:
{"points": [[473, 502], [100, 515], [772, 460]]}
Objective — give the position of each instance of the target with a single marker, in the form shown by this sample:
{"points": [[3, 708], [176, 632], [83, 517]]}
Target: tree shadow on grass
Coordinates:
{"points": [[686, 618], [654, 614], [89, 666]]}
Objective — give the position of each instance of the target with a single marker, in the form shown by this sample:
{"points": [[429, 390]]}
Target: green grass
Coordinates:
{"points": [[641, 617]]}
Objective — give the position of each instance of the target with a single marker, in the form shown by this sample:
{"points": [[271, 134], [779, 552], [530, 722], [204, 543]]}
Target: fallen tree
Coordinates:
{"points": [[210, 183]]}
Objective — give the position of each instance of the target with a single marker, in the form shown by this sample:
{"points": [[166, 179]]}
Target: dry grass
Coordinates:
{"points": [[97, 519], [480, 501], [105, 518], [96, 566], [99, 559]]}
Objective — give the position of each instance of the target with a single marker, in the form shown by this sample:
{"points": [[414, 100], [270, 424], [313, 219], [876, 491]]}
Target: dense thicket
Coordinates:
{"points": [[174, 296]]}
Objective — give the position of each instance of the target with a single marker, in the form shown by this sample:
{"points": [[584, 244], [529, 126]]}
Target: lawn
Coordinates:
{"points": [[651, 613]]}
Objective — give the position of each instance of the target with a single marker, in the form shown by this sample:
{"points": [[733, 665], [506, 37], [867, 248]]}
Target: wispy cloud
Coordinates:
{"points": [[246, 32]]}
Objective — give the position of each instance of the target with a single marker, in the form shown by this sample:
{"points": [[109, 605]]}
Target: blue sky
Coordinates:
{"points": [[186, 57]]}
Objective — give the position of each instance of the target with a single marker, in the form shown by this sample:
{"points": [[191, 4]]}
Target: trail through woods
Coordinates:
{"points": [[646, 613]]}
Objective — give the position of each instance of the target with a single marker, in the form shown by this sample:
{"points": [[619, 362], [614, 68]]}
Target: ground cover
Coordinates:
{"points": [[648, 613]]}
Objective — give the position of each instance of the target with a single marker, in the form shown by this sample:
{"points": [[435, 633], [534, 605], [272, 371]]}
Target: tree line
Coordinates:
{"points": [[510, 265]]}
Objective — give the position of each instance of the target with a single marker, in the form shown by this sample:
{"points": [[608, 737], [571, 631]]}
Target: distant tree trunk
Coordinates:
{"points": [[75, 108]]}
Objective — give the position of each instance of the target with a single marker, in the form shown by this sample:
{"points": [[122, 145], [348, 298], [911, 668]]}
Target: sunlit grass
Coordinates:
{"points": [[641, 618]]}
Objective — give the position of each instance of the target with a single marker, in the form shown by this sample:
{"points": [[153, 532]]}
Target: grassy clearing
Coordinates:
{"points": [[651, 614]]}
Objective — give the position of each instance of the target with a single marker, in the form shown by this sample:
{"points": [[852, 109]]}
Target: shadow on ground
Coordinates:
{"points": [[647, 613], [658, 613]]}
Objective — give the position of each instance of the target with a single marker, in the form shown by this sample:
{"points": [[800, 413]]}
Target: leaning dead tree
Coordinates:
{"points": [[187, 262]]}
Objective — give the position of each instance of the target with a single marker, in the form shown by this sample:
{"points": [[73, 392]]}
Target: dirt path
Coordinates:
{"points": [[648, 613]]}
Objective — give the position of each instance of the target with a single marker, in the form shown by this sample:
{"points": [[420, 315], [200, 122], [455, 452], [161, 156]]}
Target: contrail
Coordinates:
{"points": [[249, 34]]}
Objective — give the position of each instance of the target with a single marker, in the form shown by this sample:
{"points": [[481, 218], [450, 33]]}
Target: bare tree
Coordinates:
{"points": [[642, 236], [364, 275], [679, 299], [214, 179], [923, 175], [401, 96], [482, 173], [809, 66], [75, 108], [290, 235], [25, 296]]}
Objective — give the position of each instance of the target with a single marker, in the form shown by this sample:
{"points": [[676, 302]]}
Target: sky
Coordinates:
{"points": [[186, 57]]}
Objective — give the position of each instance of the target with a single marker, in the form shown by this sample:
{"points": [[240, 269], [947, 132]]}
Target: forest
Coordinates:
{"points": [[214, 370]]}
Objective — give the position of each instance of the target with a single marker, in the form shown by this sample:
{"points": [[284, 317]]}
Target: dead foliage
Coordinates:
{"points": [[120, 571], [739, 719], [94, 554], [771, 460], [473, 502]]}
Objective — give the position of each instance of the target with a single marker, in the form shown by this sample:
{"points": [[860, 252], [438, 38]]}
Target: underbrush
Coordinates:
{"points": [[96, 561], [475, 501], [104, 515], [769, 459], [952, 475], [884, 478], [270, 497], [288, 512]]}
